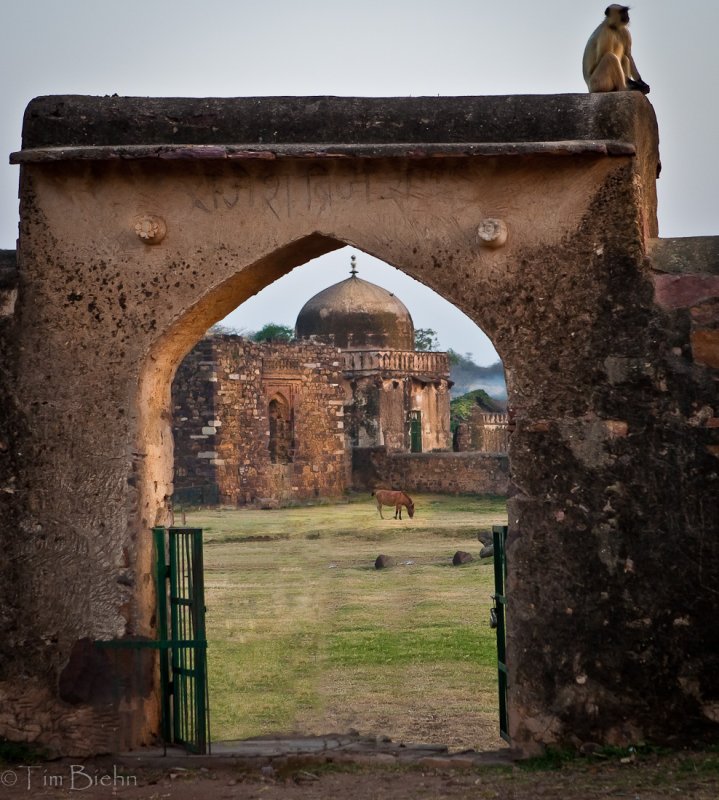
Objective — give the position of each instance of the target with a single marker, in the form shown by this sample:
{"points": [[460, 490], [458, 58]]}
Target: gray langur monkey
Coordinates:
{"points": [[608, 64]]}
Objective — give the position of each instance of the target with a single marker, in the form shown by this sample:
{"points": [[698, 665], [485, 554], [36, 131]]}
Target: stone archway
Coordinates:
{"points": [[141, 226]]}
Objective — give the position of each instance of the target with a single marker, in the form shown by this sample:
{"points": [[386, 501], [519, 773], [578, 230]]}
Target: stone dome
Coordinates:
{"points": [[357, 315]]}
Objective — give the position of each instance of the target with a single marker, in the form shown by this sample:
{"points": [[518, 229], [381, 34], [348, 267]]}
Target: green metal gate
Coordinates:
{"points": [[181, 624], [499, 620], [181, 642]]}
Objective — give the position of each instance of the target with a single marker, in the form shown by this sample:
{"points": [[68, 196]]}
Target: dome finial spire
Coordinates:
{"points": [[353, 265]]}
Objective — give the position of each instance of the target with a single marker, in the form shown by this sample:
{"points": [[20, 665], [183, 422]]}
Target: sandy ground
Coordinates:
{"points": [[685, 775]]}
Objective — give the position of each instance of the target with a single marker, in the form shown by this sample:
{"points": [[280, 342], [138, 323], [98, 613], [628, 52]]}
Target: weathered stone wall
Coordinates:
{"points": [[221, 397], [686, 281], [485, 431], [378, 413], [443, 473], [194, 425], [395, 400], [614, 542], [644, 443], [221, 432], [363, 410], [11, 420], [321, 459], [462, 438], [431, 399], [385, 386]]}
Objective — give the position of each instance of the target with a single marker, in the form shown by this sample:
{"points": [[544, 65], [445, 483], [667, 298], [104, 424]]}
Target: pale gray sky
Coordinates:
{"points": [[373, 48]]}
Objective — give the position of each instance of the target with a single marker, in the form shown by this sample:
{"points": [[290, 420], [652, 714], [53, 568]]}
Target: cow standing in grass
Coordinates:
{"points": [[387, 497]]}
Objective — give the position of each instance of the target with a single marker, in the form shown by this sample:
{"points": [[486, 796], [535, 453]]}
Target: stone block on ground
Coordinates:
{"points": [[461, 557]]}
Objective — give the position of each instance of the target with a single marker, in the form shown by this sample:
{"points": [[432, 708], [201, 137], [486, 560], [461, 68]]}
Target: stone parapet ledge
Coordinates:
{"points": [[396, 361], [689, 254], [601, 123], [279, 151]]}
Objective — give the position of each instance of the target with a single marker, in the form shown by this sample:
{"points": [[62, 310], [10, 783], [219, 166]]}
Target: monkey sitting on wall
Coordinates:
{"points": [[608, 65]]}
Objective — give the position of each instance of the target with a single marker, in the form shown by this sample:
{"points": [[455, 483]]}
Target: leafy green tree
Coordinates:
{"points": [[225, 330], [460, 408], [273, 332], [454, 357], [425, 340]]}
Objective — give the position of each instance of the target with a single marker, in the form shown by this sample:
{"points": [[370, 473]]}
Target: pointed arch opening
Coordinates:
{"points": [[279, 414], [280, 409]]}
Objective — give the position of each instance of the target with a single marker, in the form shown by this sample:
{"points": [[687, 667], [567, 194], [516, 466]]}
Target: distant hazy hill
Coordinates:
{"points": [[468, 376]]}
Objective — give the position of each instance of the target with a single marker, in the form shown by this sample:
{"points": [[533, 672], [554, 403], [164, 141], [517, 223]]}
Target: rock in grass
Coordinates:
{"points": [[382, 562], [267, 503], [487, 551], [485, 537], [460, 557]]}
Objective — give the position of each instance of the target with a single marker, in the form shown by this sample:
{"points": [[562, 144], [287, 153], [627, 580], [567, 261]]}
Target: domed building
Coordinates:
{"points": [[356, 315], [278, 422], [395, 396]]}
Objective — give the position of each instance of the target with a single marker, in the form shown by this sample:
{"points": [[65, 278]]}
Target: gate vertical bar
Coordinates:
{"points": [[200, 635], [161, 579], [175, 634], [499, 534]]}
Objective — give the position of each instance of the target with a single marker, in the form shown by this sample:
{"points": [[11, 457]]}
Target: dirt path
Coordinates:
{"points": [[685, 775]]}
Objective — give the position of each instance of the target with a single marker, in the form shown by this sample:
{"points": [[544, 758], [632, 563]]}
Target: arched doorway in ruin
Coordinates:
{"points": [[280, 418], [207, 388], [156, 419], [532, 215]]}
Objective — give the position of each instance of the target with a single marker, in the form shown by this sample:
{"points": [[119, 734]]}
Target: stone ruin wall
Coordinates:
{"points": [[653, 529], [221, 395], [440, 473], [193, 412], [11, 429], [399, 396], [385, 386], [432, 399], [362, 412], [484, 431], [686, 285], [395, 400]]}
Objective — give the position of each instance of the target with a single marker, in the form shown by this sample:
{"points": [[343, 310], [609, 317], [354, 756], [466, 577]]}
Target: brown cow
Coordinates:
{"points": [[387, 497]]}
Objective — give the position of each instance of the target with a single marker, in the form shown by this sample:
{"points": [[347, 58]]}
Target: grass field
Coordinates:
{"points": [[305, 636]]}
